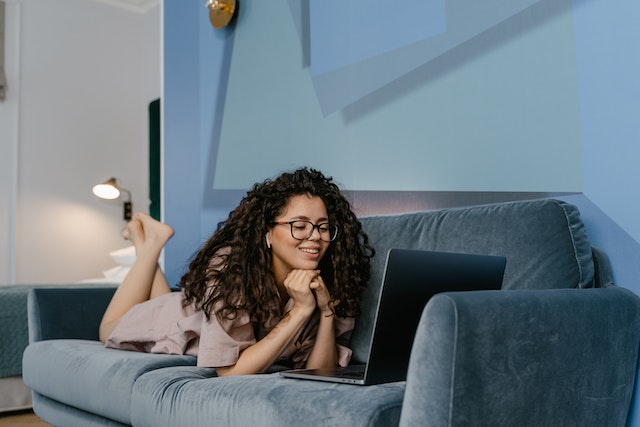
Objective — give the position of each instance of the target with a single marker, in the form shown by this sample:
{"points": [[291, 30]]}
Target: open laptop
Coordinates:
{"points": [[410, 279]]}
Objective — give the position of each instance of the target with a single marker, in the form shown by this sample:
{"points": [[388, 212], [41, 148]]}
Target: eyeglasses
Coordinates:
{"points": [[302, 230]]}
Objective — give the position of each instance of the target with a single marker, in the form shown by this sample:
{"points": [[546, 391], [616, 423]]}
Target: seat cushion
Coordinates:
{"points": [[86, 375], [191, 397]]}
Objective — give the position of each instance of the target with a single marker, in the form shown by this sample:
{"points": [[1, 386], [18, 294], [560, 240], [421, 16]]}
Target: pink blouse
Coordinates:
{"points": [[163, 325]]}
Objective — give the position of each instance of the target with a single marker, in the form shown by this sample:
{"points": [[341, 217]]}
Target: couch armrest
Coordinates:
{"points": [[55, 313], [564, 357]]}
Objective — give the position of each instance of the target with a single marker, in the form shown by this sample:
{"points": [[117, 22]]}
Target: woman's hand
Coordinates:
{"points": [[308, 291], [300, 286], [323, 298]]}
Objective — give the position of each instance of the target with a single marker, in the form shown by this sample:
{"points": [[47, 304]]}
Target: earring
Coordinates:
{"points": [[268, 241]]}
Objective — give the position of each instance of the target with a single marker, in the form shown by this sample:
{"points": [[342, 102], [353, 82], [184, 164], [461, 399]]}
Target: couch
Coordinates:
{"points": [[14, 338], [557, 346]]}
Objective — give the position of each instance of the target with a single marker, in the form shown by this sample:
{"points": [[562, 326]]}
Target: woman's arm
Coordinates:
{"points": [[324, 353], [260, 356]]}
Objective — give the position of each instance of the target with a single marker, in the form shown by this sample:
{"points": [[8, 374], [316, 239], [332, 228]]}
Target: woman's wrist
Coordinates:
{"points": [[327, 313], [304, 312]]}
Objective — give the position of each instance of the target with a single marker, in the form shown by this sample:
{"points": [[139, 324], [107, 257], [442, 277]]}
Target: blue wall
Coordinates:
{"points": [[605, 39], [607, 35]]}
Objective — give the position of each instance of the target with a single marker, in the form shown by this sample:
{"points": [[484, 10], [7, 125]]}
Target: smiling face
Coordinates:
{"points": [[289, 253]]}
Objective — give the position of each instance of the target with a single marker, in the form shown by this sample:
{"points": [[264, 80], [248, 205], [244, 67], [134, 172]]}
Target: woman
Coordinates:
{"points": [[279, 281]]}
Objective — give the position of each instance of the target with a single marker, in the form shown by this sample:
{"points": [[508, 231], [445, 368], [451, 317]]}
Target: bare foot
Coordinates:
{"points": [[135, 232], [154, 232]]}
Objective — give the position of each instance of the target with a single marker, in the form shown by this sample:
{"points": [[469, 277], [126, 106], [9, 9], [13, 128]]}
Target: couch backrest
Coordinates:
{"points": [[544, 241]]}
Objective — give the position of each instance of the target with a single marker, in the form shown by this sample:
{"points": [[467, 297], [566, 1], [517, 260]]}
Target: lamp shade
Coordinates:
{"points": [[107, 190]]}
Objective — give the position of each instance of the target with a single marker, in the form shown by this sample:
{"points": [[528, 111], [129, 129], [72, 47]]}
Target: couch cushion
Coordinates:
{"points": [[86, 375], [185, 396], [544, 241]]}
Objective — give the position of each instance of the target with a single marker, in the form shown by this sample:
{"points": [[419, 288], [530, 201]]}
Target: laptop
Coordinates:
{"points": [[410, 279]]}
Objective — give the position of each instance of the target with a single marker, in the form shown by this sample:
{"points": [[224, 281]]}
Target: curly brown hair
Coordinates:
{"points": [[232, 270]]}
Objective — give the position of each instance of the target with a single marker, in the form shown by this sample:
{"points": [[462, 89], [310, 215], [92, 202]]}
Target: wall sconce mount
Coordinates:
{"points": [[221, 12]]}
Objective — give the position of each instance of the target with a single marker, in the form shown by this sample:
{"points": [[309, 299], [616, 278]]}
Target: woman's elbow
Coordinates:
{"points": [[226, 371]]}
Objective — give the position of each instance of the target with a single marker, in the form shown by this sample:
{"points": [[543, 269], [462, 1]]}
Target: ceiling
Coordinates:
{"points": [[139, 6]]}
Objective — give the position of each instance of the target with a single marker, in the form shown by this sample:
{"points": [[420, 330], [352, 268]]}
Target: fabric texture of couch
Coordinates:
{"points": [[557, 346]]}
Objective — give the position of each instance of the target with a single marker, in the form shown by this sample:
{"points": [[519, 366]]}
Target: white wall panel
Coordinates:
{"points": [[88, 71]]}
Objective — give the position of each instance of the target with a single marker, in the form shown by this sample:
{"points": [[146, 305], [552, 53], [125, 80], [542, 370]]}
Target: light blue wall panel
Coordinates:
{"points": [[504, 104], [464, 20], [347, 32]]}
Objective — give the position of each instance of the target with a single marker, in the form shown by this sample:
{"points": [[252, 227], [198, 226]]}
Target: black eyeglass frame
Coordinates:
{"points": [[313, 228]]}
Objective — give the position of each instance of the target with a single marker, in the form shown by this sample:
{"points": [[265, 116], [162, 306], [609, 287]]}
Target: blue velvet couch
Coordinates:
{"points": [[557, 346]]}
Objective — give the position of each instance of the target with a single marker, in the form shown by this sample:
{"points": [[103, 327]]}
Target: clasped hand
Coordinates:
{"points": [[308, 291]]}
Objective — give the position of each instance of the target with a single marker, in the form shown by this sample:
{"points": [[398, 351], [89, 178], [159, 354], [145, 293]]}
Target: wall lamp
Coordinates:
{"points": [[110, 190]]}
